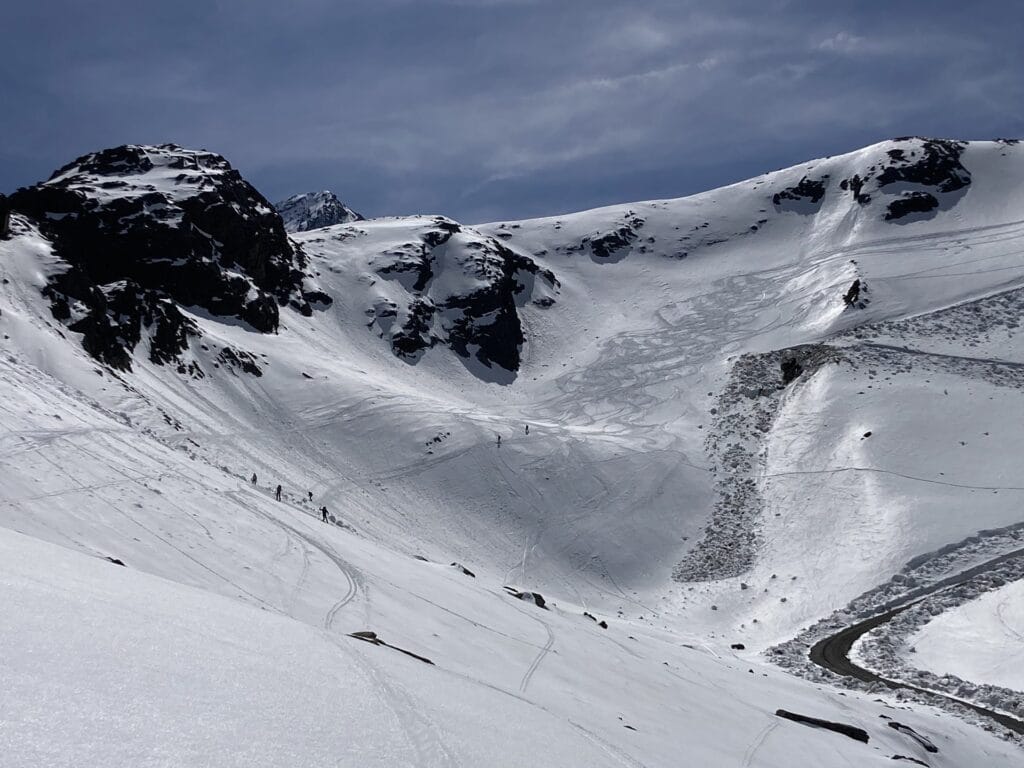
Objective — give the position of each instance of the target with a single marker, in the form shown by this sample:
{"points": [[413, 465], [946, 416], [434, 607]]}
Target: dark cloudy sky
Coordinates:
{"points": [[487, 109]]}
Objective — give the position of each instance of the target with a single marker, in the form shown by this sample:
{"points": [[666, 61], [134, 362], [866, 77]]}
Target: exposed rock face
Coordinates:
{"points": [[614, 245], [314, 210], [803, 197], [852, 295], [144, 229], [910, 202], [459, 288], [930, 167]]}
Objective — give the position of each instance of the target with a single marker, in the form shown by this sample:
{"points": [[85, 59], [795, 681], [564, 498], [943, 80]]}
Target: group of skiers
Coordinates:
{"points": [[277, 496], [527, 432]]}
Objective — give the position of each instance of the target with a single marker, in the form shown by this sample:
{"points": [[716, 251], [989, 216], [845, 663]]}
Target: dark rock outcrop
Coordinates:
{"points": [[922, 741], [910, 202], [802, 197], [614, 245], [474, 310], [791, 369], [858, 734], [852, 295], [931, 163], [531, 597], [368, 636], [937, 164], [144, 230]]}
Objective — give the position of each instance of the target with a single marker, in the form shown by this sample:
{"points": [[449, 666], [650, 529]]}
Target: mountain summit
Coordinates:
{"points": [[313, 210]]}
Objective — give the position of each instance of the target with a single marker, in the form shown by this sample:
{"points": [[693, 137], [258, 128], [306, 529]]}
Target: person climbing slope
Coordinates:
{"points": [[277, 493], [253, 478], [323, 513]]}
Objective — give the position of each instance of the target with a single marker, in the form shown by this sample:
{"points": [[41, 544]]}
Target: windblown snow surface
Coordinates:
{"points": [[981, 641], [668, 484]]}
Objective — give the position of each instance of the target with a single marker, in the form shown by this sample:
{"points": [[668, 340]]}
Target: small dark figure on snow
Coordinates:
{"points": [[277, 493], [323, 513], [853, 294], [254, 478], [499, 440], [310, 495], [527, 429]]}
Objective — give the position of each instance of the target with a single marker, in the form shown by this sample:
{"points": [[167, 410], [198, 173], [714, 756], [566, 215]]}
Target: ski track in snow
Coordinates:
{"points": [[541, 655], [757, 743], [594, 507]]}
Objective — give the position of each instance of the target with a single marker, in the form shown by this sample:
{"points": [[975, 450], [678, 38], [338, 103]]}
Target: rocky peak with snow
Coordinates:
{"points": [[434, 281], [145, 230], [313, 210]]}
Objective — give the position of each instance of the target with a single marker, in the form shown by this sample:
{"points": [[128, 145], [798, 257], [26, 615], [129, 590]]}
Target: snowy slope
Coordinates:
{"points": [[665, 466], [981, 641]]}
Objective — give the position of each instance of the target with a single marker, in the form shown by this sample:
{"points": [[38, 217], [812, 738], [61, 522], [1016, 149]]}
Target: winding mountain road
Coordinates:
{"points": [[833, 652]]}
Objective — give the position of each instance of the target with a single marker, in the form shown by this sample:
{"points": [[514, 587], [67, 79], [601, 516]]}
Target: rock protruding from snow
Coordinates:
{"points": [[923, 172], [434, 281], [314, 210], [146, 229]]}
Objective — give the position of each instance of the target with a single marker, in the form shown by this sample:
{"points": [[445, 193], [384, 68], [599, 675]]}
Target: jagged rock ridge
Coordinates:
{"points": [[314, 210]]}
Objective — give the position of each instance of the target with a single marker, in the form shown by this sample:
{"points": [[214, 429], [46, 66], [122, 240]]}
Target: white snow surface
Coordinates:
{"points": [[224, 639], [981, 641]]}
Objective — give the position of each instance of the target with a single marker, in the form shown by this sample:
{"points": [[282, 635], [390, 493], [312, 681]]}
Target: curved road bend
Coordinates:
{"points": [[833, 652]]}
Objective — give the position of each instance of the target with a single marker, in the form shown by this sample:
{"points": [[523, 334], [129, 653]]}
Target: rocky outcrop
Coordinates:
{"points": [[802, 197], [910, 202], [314, 210], [144, 230], [852, 731], [460, 288], [931, 166], [614, 245]]}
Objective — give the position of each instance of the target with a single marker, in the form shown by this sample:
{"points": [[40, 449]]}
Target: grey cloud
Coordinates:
{"points": [[500, 108]]}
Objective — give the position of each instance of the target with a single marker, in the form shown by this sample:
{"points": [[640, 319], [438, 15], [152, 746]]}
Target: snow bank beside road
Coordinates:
{"points": [[981, 641]]}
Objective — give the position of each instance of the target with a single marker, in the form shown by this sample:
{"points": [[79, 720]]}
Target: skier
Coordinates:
{"points": [[527, 429], [310, 495], [499, 441], [254, 478], [277, 493], [323, 513]]}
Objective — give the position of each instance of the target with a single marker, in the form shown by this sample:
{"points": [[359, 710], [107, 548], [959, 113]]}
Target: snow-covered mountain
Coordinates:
{"points": [[313, 210], [714, 433]]}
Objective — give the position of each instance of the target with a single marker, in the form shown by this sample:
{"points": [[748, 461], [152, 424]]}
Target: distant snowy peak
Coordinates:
{"points": [[314, 210]]}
